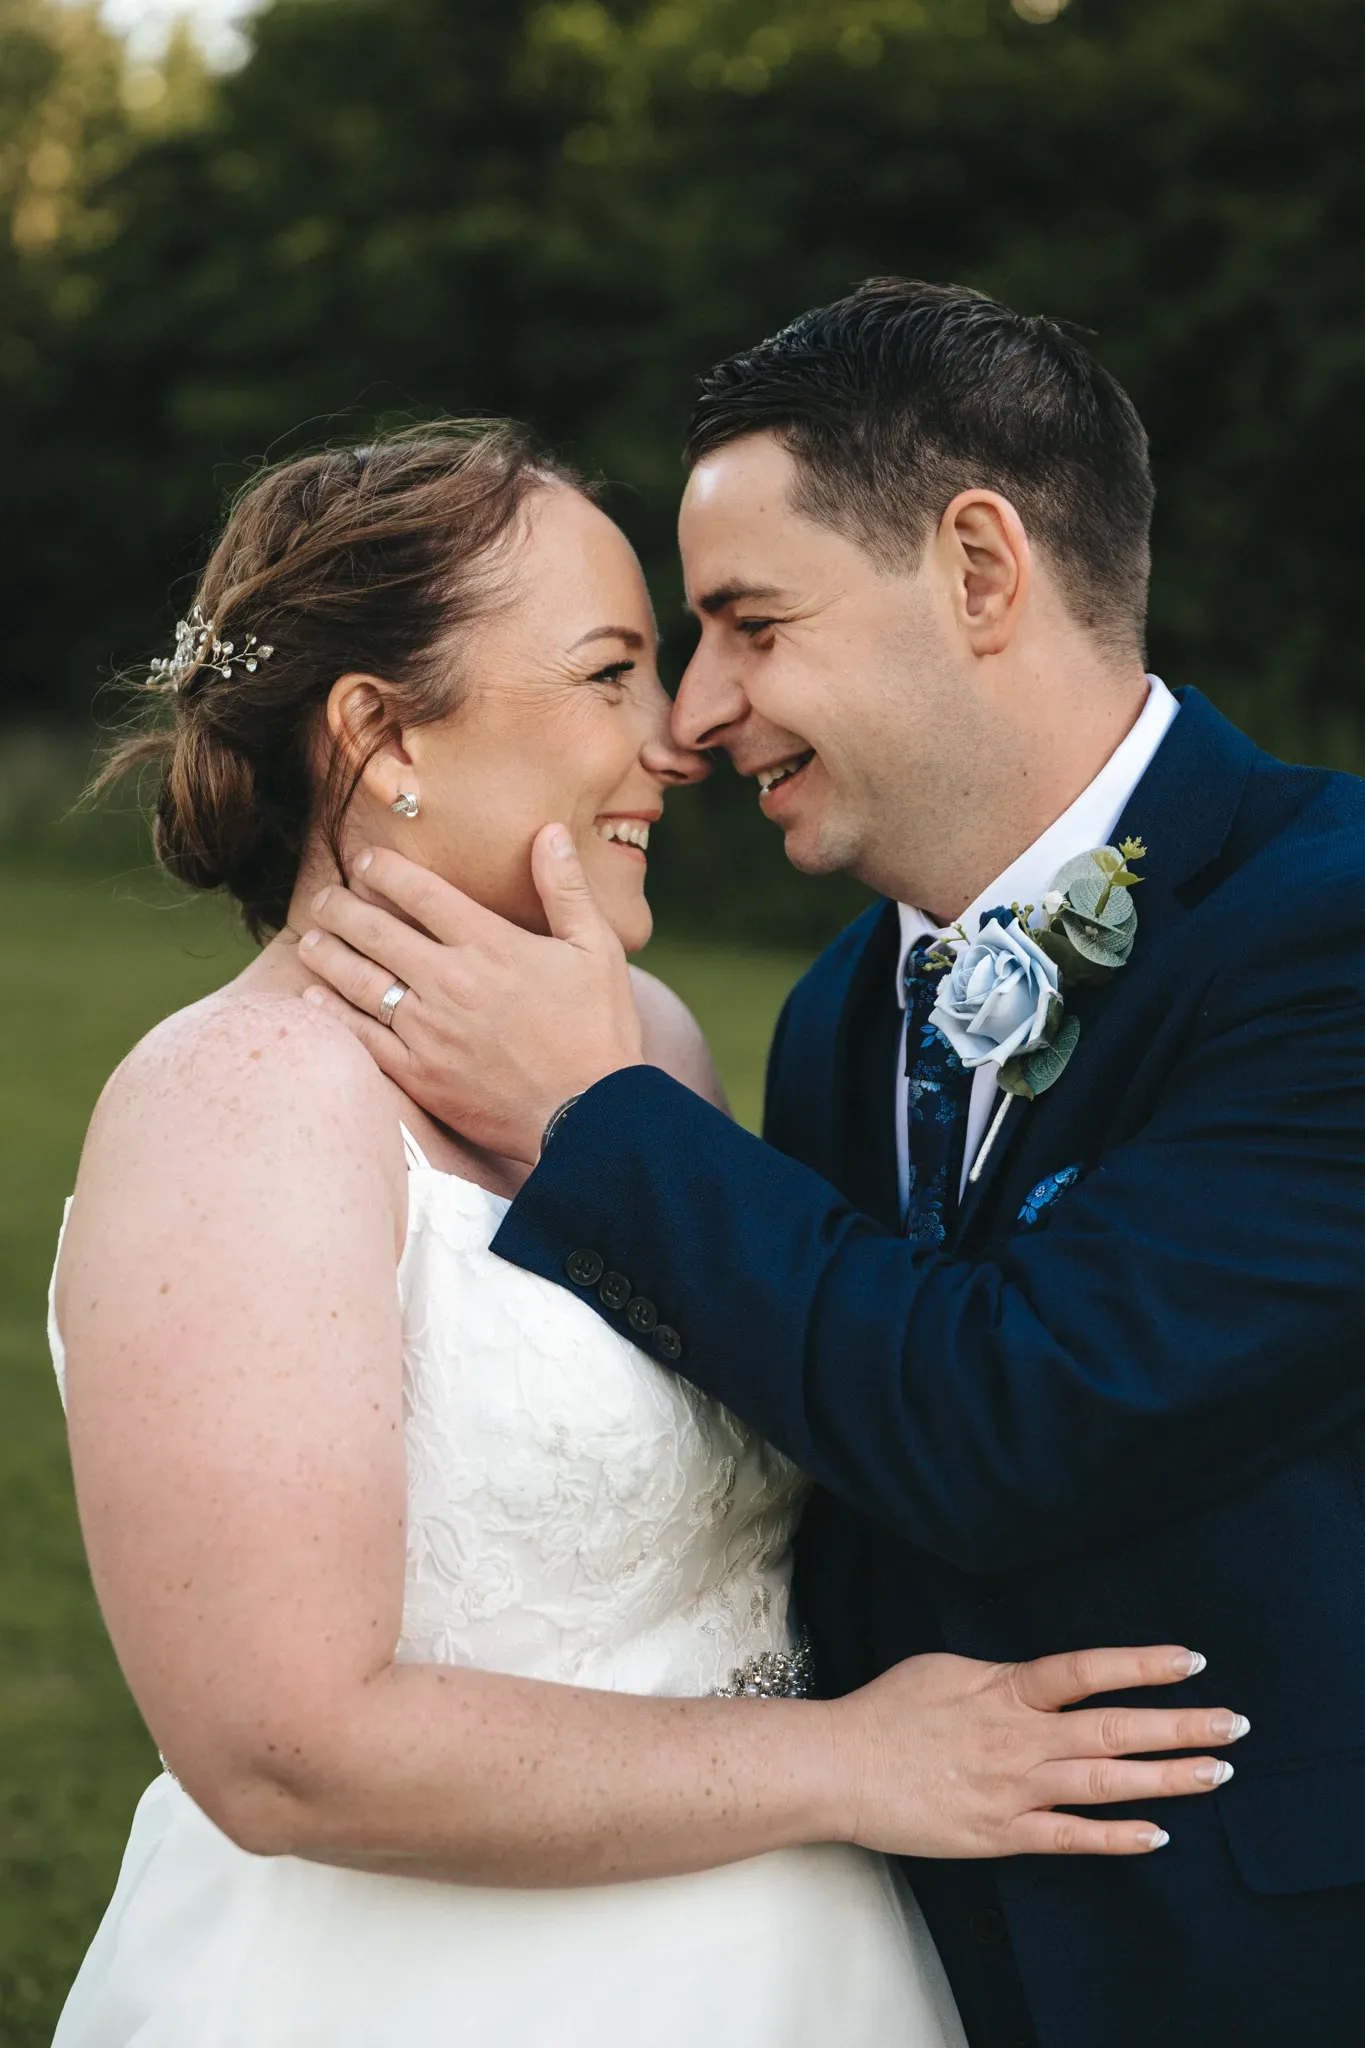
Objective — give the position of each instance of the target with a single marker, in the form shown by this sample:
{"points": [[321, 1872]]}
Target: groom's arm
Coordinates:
{"points": [[1190, 1315]]}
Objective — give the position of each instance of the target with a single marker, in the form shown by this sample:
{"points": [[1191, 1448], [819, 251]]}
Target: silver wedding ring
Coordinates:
{"points": [[393, 996]]}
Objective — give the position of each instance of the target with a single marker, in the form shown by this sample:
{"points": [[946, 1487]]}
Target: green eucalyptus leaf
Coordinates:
{"points": [[1014, 1076], [1076, 967], [1103, 935], [1059, 949], [1047, 1064], [1096, 892]]}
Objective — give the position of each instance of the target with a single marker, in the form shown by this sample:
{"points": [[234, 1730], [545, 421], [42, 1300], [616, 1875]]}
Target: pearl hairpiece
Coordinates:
{"points": [[197, 646]]}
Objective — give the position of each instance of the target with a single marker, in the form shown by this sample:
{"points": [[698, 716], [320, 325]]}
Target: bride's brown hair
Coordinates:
{"points": [[366, 560]]}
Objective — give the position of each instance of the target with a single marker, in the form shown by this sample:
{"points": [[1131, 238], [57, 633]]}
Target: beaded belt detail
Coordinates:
{"points": [[772, 1676]]}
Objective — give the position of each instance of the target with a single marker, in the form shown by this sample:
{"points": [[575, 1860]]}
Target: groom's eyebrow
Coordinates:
{"points": [[714, 601]]}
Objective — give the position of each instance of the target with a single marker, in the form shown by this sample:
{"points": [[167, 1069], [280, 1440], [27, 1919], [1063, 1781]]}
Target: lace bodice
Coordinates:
{"points": [[574, 1511]]}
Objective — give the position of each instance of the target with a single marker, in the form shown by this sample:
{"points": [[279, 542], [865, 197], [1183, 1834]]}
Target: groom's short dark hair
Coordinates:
{"points": [[894, 399]]}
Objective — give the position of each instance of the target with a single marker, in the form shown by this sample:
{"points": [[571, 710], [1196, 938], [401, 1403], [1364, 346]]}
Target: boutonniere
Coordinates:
{"points": [[1002, 1000]]}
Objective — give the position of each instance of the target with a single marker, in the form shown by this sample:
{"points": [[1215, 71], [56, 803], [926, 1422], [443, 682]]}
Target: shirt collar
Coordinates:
{"points": [[1086, 823]]}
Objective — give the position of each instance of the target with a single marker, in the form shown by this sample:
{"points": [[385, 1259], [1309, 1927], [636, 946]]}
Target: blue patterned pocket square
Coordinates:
{"points": [[1045, 1194]]}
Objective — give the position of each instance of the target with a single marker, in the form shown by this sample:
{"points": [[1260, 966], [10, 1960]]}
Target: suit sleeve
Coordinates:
{"points": [[774, 1104], [1191, 1315]]}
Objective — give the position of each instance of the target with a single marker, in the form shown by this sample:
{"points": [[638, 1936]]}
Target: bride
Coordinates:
{"points": [[462, 1624]]}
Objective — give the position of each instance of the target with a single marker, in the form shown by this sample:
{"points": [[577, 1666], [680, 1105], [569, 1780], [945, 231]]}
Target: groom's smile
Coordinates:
{"points": [[770, 780], [780, 787]]}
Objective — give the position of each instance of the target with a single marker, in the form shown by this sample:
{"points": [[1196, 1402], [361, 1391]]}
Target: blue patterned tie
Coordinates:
{"points": [[939, 1092]]}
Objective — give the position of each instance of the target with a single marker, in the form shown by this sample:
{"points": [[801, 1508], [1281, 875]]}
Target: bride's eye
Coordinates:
{"points": [[615, 672]]}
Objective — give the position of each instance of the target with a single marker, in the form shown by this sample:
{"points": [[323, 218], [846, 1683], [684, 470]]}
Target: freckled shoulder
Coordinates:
{"points": [[241, 1060], [247, 1127], [673, 1038]]}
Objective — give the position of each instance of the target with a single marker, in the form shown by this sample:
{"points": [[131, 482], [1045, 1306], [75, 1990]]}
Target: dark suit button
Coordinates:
{"points": [[641, 1314], [584, 1268], [615, 1290], [668, 1341], [988, 1927]]}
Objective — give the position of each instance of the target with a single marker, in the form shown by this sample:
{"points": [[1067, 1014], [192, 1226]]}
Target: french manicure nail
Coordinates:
{"points": [[1213, 1773], [308, 941], [1155, 1838], [1189, 1663], [315, 997], [321, 898], [362, 860], [1230, 1727]]}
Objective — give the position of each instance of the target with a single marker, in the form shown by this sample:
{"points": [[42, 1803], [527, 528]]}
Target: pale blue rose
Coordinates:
{"points": [[1000, 997]]}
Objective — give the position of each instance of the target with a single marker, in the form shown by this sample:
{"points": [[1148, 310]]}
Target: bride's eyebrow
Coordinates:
{"points": [[627, 634]]}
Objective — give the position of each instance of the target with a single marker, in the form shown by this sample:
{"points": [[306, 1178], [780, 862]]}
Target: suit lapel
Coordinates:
{"points": [[861, 1135], [1182, 810]]}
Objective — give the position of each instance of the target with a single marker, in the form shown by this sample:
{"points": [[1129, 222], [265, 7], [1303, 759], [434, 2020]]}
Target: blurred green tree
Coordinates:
{"points": [[566, 211], [62, 130]]}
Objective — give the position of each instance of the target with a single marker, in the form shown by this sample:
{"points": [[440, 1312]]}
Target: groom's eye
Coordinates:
{"points": [[753, 627]]}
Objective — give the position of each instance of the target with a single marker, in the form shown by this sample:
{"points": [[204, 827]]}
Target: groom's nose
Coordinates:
{"points": [[710, 702]]}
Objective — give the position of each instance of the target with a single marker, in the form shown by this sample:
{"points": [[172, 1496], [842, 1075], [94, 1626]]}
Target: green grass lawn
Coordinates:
{"points": [[86, 967]]}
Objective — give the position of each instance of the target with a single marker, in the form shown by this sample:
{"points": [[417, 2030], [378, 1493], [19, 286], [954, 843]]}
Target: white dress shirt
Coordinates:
{"points": [[1087, 823]]}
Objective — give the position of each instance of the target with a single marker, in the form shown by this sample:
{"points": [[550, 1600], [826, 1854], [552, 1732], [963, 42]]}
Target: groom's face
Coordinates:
{"points": [[824, 677]]}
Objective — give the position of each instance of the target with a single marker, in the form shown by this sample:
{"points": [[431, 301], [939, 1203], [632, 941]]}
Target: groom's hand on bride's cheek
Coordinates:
{"points": [[497, 1026]]}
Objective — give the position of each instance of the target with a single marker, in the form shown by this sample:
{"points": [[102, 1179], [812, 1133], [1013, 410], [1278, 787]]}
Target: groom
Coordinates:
{"points": [[1098, 1377]]}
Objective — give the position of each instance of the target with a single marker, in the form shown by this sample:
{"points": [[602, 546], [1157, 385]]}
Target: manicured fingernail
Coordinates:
{"points": [[1230, 1727], [315, 996], [1189, 1663], [308, 941], [321, 898], [1213, 1773], [362, 860], [1155, 1838], [561, 845]]}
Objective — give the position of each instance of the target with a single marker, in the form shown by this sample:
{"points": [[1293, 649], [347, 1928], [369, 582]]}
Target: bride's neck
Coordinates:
{"points": [[279, 968]]}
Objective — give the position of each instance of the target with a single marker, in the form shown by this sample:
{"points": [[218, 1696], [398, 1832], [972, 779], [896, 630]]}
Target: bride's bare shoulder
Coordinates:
{"points": [[673, 1038], [238, 1061]]}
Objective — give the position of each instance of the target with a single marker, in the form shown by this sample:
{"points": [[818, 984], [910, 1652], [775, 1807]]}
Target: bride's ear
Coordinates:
{"points": [[365, 732]]}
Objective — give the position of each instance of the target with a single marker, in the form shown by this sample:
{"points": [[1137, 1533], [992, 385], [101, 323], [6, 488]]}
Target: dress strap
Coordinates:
{"points": [[412, 1151]]}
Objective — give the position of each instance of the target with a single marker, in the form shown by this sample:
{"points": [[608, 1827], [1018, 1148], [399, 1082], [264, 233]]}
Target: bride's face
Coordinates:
{"points": [[562, 718]]}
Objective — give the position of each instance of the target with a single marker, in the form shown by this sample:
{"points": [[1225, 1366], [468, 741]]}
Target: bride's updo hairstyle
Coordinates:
{"points": [[367, 561]]}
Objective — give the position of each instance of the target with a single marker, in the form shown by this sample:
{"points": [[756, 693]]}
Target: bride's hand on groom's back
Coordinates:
{"points": [[944, 1756]]}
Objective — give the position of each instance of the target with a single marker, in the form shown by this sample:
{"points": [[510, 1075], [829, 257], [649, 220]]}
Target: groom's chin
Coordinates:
{"points": [[815, 850]]}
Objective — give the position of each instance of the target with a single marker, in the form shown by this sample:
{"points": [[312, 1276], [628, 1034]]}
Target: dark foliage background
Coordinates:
{"points": [[566, 211]]}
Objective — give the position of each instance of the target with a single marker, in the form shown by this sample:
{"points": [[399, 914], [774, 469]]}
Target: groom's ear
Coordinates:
{"points": [[985, 555]]}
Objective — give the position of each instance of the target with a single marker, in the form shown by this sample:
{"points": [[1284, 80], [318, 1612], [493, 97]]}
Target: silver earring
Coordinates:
{"points": [[406, 807]]}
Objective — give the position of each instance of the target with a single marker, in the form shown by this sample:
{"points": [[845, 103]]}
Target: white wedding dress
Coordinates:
{"points": [[575, 1512]]}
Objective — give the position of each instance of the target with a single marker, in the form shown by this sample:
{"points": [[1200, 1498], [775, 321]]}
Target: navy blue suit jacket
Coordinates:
{"points": [[1133, 1414]]}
